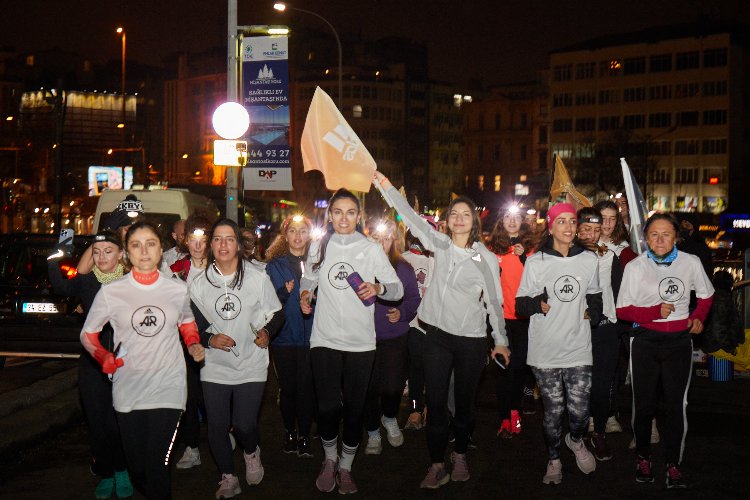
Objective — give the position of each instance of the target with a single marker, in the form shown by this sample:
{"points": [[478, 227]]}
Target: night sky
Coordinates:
{"points": [[500, 41]]}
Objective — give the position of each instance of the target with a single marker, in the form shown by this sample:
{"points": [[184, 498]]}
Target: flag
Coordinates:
{"points": [[562, 187], [330, 145], [636, 207]]}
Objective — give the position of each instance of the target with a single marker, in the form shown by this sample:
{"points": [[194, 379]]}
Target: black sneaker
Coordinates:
{"points": [[528, 403], [674, 477], [599, 447], [303, 448], [290, 442], [643, 472]]}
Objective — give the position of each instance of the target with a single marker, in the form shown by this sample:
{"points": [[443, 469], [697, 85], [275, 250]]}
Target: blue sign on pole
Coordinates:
{"points": [[265, 94]]}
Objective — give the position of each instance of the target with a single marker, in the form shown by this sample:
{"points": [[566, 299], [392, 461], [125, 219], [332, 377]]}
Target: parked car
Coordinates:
{"points": [[34, 321]]}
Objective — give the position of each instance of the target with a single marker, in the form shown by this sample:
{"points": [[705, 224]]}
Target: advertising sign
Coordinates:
{"points": [[265, 94], [108, 177]]}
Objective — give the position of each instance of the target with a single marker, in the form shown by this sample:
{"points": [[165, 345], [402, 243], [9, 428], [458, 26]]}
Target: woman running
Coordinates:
{"points": [[392, 349], [560, 294], [655, 293], [464, 290], [512, 241], [290, 350], [94, 387], [343, 335], [614, 234], [145, 309], [240, 313]]}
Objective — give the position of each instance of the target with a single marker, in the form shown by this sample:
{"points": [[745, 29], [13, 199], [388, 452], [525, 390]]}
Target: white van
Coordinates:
{"points": [[163, 206]]}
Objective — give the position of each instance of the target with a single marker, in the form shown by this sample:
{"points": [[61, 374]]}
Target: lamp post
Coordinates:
{"points": [[121, 31], [283, 6]]}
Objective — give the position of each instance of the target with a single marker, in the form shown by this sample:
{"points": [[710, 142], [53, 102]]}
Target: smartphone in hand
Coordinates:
{"points": [[500, 361]]}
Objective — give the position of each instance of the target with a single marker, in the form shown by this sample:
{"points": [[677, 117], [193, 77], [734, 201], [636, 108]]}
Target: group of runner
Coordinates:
{"points": [[349, 318]]}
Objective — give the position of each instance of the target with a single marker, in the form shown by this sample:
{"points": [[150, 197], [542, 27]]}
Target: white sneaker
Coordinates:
{"points": [[395, 437], [654, 432], [591, 424], [554, 472], [229, 486], [612, 425], [190, 458], [253, 468], [374, 445], [584, 459]]}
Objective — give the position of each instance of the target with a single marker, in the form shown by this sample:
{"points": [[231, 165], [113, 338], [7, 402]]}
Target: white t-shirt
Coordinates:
{"points": [[232, 311], [422, 265], [605, 283], [145, 319], [562, 337], [341, 320], [646, 284]]}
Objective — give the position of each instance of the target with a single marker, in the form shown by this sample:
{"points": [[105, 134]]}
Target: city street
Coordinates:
{"points": [[716, 458]]}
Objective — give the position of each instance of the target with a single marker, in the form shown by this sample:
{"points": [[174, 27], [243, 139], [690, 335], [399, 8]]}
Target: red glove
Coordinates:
{"points": [[104, 357], [110, 364]]}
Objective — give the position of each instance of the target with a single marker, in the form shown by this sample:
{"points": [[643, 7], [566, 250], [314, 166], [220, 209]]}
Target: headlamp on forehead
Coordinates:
{"points": [[198, 232], [381, 227], [298, 218], [512, 209], [589, 219]]}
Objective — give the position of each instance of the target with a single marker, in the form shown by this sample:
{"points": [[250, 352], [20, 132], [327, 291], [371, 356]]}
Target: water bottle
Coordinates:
{"points": [[355, 280]]}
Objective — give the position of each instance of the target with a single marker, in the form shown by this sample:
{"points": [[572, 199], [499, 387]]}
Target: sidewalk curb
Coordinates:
{"points": [[15, 401]]}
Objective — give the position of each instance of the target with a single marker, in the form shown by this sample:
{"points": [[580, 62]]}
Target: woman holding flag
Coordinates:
{"points": [[344, 266], [464, 290]]}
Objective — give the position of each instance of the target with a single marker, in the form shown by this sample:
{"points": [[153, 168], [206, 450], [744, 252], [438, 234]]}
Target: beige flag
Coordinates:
{"points": [[561, 183], [330, 145]]}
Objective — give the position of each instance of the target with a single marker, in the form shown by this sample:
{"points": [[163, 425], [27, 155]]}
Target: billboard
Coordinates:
{"points": [[109, 177], [265, 95]]}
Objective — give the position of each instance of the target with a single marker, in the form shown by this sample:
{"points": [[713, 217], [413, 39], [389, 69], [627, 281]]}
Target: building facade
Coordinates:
{"points": [[670, 100]]}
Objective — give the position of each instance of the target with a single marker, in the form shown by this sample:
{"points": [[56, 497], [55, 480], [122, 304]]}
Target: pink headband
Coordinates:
{"points": [[560, 208]]}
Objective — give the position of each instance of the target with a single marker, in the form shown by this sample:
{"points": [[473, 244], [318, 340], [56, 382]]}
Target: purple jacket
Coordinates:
{"points": [[384, 329]]}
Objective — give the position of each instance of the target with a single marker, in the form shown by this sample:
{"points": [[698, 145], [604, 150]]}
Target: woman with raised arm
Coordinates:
{"points": [[655, 293], [560, 293], [464, 290], [238, 312], [146, 311], [349, 272]]}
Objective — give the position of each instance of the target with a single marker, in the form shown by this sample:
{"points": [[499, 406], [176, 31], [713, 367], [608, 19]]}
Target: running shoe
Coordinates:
{"points": [[395, 436], [505, 431], [253, 468], [515, 422], [612, 425], [599, 447], [674, 477], [643, 473], [435, 478], [554, 472], [190, 458], [303, 448], [460, 470], [374, 445], [123, 486], [528, 401], [290, 442], [105, 489], [584, 459], [346, 483], [414, 422], [326, 481], [229, 486]]}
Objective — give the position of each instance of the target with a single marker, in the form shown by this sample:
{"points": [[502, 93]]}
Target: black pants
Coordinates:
{"points": [[147, 438], [232, 407], [465, 356], [416, 369], [387, 381], [663, 361], [510, 382], [605, 345], [294, 372], [341, 381], [190, 431], [95, 390]]}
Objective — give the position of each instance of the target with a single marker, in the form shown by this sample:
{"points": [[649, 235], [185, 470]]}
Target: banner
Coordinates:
{"points": [[562, 188], [636, 209], [265, 95], [331, 146]]}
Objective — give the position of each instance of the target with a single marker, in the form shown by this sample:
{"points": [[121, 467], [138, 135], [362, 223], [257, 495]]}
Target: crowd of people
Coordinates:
{"points": [[176, 336]]}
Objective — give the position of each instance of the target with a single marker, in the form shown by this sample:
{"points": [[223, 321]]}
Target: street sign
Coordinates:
{"points": [[230, 153]]}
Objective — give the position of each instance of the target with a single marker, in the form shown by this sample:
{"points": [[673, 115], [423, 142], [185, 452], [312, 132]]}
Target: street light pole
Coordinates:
{"points": [[232, 173], [121, 31], [282, 6]]}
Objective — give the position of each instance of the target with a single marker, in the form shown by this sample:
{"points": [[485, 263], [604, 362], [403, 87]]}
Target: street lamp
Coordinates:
{"points": [[230, 121], [121, 31], [283, 6]]}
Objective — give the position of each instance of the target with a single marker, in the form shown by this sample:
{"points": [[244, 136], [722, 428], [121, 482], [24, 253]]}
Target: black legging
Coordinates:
{"points": [[294, 372], [232, 407], [387, 381], [510, 382], [190, 430], [416, 370], [341, 380], [605, 346], [465, 356], [95, 390], [147, 439]]}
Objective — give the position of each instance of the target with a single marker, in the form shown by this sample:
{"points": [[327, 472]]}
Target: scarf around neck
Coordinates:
{"points": [[664, 261], [105, 278]]}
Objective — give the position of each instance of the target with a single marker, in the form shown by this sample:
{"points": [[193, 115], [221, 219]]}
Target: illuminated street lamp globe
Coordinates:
{"points": [[230, 120]]}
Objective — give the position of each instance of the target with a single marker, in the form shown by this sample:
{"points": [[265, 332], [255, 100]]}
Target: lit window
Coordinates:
{"points": [[357, 111], [481, 182], [497, 183]]}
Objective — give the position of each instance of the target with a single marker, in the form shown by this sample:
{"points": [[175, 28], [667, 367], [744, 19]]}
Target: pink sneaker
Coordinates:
{"points": [[460, 470], [326, 481], [435, 478], [347, 486], [584, 459], [253, 468]]}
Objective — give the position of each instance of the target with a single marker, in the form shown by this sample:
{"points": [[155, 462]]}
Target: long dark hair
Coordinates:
{"points": [[476, 224], [499, 239], [620, 233], [239, 273], [338, 195]]}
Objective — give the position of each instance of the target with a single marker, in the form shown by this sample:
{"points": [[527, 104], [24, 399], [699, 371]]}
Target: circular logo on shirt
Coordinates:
{"points": [[567, 288], [671, 289], [228, 306], [338, 273], [147, 321]]}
